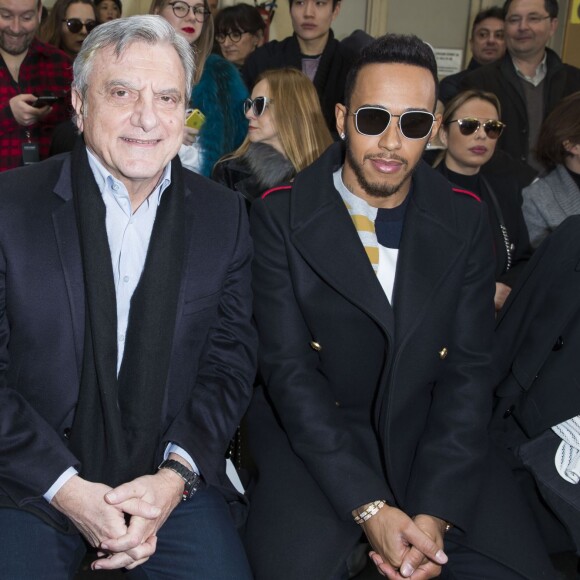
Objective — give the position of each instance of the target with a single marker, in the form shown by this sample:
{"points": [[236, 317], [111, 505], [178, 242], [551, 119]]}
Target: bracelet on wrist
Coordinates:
{"points": [[371, 510]]}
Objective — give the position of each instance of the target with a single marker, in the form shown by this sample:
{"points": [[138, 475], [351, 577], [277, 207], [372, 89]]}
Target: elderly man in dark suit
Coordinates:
{"points": [[126, 342], [373, 282]]}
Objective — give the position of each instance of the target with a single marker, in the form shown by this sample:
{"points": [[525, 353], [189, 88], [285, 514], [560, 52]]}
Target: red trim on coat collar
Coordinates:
{"points": [[466, 192], [279, 188]]}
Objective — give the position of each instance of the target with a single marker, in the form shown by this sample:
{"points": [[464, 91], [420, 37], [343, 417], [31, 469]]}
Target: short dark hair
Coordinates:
{"points": [[393, 49], [493, 12], [240, 17], [334, 3], [562, 124], [551, 7]]}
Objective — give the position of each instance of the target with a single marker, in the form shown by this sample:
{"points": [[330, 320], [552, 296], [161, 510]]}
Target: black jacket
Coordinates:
{"points": [[508, 194], [330, 78], [259, 169], [500, 78]]}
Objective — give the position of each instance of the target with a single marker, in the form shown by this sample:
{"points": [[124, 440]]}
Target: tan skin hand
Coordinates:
{"points": [[405, 548], [24, 113], [502, 291], [162, 490], [190, 135]]}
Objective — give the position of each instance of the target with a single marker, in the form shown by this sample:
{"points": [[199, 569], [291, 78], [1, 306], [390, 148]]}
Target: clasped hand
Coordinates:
{"points": [[99, 513], [405, 547]]}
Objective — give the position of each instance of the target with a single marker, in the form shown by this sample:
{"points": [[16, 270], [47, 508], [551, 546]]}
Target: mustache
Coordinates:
{"points": [[385, 157]]}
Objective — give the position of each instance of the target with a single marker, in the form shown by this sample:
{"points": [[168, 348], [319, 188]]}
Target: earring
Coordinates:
{"points": [[429, 145], [343, 136]]}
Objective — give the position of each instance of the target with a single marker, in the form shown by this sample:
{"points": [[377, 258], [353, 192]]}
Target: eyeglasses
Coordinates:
{"points": [[75, 25], [181, 10], [258, 105], [469, 126], [234, 35], [530, 19], [374, 121]]}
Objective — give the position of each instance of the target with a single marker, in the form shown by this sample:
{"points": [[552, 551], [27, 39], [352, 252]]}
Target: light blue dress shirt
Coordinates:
{"points": [[128, 233]]}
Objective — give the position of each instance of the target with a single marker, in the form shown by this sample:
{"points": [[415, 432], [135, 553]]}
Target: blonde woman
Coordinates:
{"points": [[286, 133], [218, 90]]}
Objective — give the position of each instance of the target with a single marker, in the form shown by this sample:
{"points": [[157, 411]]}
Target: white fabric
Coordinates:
{"points": [[387, 269], [191, 157], [568, 454]]}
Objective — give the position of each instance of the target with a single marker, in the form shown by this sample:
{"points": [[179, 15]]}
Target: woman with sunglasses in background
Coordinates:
{"points": [[469, 130], [555, 196], [239, 30], [68, 24], [286, 133], [218, 91]]}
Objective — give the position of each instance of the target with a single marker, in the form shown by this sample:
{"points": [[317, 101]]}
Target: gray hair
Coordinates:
{"points": [[123, 32]]}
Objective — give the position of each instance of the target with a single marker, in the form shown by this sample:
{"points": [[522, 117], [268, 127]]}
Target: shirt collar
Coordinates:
{"points": [[540, 74], [105, 179]]}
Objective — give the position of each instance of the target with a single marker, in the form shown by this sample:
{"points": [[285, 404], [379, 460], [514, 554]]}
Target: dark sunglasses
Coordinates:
{"points": [[258, 105], [373, 121], [469, 126], [75, 25]]}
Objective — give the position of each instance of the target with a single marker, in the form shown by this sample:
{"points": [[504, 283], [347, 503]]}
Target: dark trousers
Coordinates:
{"points": [[198, 540]]}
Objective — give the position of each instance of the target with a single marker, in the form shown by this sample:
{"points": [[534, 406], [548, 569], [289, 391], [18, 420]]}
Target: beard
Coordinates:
{"points": [[15, 44], [380, 190]]}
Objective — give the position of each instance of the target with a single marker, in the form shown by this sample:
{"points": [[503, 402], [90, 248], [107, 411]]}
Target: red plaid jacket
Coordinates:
{"points": [[45, 70]]}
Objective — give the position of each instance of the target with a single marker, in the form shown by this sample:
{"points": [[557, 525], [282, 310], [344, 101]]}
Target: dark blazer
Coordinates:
{"points": [[42, 328], [330, 78], [500, 78], [507, 192], [363, 401]]}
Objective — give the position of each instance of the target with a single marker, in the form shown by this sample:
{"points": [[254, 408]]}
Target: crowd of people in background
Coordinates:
{"points": [[286, 124]]}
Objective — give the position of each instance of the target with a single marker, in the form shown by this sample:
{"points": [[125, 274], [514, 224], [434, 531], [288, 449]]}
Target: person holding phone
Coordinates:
{"points": [[218, 90], [31, 69]]}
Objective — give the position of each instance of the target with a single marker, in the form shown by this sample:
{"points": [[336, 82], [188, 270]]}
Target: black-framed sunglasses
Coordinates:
{"points": [[234, 35], [373, 121], [258, 105], [181, 10], [75, 25], [469, 126]]}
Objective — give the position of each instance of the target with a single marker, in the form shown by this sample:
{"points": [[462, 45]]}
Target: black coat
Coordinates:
{"points": [[536, 356], [363, 401], [500, 78], [508, 194], [330, 78], [259, 169]]}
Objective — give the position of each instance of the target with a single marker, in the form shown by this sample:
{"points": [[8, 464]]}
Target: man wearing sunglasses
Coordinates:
{"points": [[30, 69], [312, 49], [373, 299], [530, 79]]}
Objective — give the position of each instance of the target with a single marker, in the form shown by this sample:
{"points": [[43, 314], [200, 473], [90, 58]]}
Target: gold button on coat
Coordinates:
{"points": [[443, 353], [315, 346]]}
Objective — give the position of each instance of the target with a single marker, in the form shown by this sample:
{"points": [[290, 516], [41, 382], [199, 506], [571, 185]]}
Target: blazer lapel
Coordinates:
{"points": [[429, 249], [67, 240], [324, 234]]}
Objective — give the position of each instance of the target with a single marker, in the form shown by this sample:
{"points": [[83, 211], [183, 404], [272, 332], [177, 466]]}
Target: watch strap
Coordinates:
{"points": [[190, 478]]}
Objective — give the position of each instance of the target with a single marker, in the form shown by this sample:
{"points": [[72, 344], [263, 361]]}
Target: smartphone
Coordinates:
{"points": [[195, 119], [46, 100]]}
